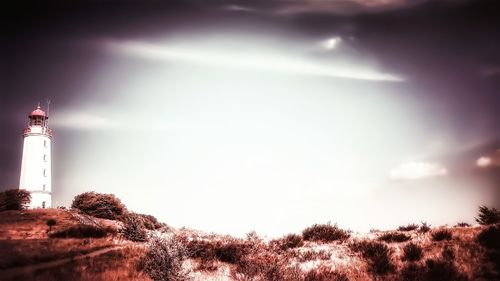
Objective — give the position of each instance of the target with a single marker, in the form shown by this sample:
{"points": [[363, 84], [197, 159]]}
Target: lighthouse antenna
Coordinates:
{"points": [[48, 111]]}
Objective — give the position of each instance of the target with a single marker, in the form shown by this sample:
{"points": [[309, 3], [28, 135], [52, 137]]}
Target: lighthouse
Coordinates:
{"points": [[36, 161]]}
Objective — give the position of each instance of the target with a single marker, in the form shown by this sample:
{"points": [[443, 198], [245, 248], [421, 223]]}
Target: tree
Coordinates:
{"points": [[14, 199], [99, 205], [488, 216]]}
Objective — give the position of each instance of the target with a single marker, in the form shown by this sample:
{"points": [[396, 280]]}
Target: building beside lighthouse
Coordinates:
{"points": [[36, 161]]}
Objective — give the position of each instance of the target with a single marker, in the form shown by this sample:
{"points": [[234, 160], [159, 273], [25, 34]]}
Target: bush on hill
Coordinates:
{"points": [[164, 259], [150, 222], [264, 265], [394, 237], [424, 227], [133, 228], [229, 250], [489, 239], [488, 216], [412, 252], [377, 254], [408, 227], [432, 269], [287, 242], [325, 233], [441, 235], [99, 205], [14, 199]]}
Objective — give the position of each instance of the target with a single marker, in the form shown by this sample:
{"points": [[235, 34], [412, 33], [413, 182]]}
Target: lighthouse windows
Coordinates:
{"points": [[44, 172], [45, 157], [44, 185], [44, 143]]}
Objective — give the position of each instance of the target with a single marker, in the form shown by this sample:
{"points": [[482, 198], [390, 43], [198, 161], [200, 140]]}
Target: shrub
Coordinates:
{"points": [[314, 255], [264, 265], [14, 199], [424, 227], [164, 258], [377, 254], [324, 233], [231, 251], [408, 227], [490, 239], [432, 270], [412, 252], [228, 250], [99, 205], [441, 235], [201, 249], [488, 216], [133, 228], [462, 224], [412, 272], [81, 231], [394, 237], [150, 222], [50, 224], [253, 237], [289, 241], [441, 270], [325, 273]]}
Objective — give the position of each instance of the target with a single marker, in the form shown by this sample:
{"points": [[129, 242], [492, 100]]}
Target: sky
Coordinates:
{"points": [[267, 116]]}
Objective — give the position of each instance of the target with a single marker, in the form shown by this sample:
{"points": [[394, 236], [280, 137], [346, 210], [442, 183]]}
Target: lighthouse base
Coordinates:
{"points": [[40, 200]]}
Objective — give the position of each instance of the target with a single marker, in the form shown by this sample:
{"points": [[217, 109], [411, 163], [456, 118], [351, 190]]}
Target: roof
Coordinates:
{"points": [[38, 112]]}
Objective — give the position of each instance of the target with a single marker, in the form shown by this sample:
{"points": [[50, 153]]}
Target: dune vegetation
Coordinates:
{"points": [[102, 240]]}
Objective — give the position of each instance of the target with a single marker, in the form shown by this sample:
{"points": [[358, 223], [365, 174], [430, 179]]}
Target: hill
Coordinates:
{"points": [[31, 250]]}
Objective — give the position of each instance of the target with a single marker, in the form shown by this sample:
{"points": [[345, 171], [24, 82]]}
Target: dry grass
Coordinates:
{"points": [[23, 240], [31, 251], [32, 224], [120, 264]]}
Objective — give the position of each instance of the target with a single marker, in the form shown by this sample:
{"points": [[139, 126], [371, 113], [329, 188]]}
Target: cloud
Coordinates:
{"points": [[262, 60], [331, 43], [483, 161], [417, 170], [490, 160], [82, 121], [341, 7], [239, 8]]}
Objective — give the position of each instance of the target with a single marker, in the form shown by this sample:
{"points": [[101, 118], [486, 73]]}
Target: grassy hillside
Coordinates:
{"points": [[25, 240], [81, 247]]}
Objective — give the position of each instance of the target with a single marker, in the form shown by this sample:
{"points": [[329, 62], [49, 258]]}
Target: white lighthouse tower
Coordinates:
{"points": [[36, 164]]}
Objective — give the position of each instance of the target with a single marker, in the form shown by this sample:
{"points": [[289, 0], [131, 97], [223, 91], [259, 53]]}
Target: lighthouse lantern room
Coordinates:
{"points": [[36, 161]]}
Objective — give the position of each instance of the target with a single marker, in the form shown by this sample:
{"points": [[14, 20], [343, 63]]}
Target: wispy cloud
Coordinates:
{"points": [[490, 160], [417, 170], [82, 121], [239, 8], [340, 7], [276, 61]]}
